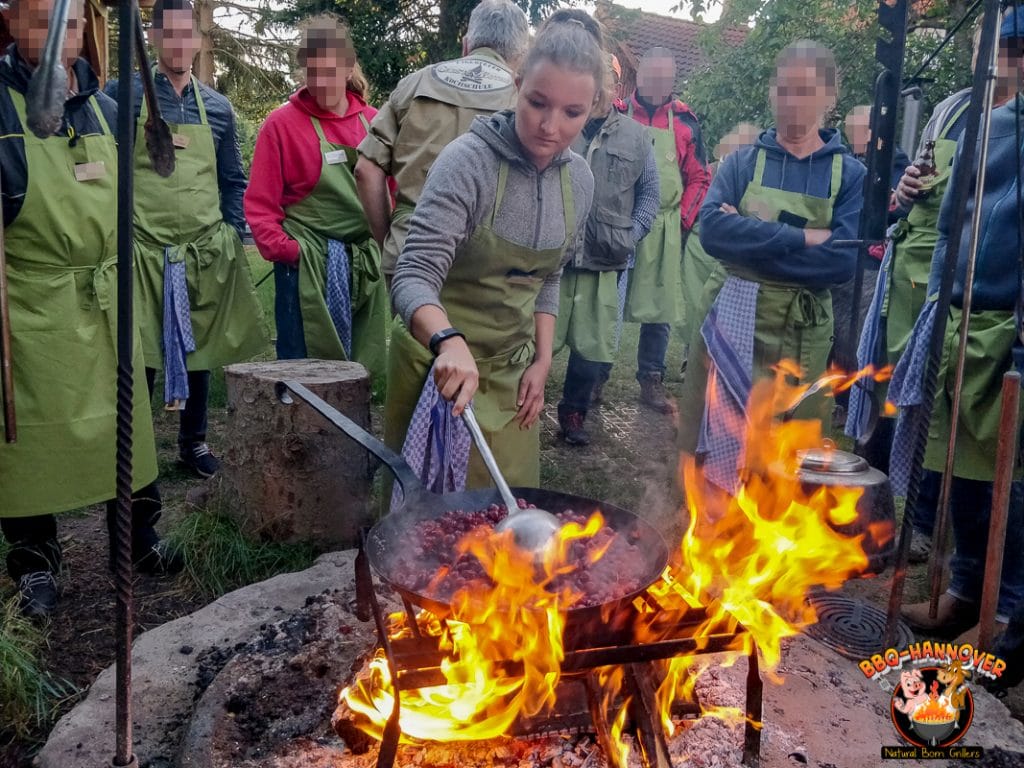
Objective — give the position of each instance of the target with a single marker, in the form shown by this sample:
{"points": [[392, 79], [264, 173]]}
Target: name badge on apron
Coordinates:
{"points": [[335, 157], [180, 140], [90, 171]]}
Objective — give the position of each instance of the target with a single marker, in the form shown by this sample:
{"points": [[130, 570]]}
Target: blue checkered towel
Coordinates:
{"points": [[906, 390], [178, 340], [436, 445], [339, 292], [728, 333], [870, 351]]}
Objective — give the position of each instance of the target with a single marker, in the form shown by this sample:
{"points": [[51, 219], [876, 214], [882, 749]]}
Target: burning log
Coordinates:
{"points": [[285, 475]]}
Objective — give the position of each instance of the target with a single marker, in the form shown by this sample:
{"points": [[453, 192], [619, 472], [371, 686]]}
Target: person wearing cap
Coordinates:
{"points": [[620, 152], [991, 339], [428, 110], [655, 297], [59, 198], [191, 224]]}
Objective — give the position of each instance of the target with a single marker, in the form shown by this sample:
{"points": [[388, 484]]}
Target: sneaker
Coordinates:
{"points": [[200, 459], [571, 423], [37, 594], [161, 559], [653, 394]]}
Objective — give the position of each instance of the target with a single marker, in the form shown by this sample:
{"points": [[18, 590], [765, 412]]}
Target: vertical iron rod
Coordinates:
{"points": [[123, 552], [960, 183], [941, 534], [1006, 457]]}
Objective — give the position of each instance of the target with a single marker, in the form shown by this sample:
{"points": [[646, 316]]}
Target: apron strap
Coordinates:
{"points": [[759, 163], [144, 109], [568, 205], [836, 181], [365, 122], [953, 118], [318, 128], [502, 180]]}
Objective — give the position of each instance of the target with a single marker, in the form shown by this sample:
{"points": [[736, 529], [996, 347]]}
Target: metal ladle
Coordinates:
{"points": [[532, 529]]}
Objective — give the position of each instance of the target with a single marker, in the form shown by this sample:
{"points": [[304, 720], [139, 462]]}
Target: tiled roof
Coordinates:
{"points": [[680, 36]]}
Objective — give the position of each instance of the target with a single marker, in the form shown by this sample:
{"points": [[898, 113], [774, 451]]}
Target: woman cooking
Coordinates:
{"points": [[477, 283], [305, 214], [771, 218]]}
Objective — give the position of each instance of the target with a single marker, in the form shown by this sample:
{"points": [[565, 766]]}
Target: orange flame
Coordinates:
{"points": [[747, 559], [934, 711]]}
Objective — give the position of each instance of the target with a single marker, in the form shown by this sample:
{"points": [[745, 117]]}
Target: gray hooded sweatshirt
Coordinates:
{"points": [[458, 196]]}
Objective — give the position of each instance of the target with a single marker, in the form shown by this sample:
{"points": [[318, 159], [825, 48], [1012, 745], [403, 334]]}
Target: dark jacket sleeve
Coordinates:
{"points": [[231, 174], [736, 238], [774, 250]]}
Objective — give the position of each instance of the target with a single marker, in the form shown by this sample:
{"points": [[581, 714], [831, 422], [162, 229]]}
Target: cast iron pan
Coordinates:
{"points": [[393, 533]]}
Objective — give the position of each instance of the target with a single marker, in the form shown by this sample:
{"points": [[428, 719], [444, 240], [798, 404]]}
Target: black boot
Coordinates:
{"points": [[571, 422], [150, 555], [37, 594], [32, 561]]}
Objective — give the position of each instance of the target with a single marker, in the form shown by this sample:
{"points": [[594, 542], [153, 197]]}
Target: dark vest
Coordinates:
{"points": [[616, 155]]}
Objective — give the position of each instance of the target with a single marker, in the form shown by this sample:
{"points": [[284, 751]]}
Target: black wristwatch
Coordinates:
{"points": [[441, 336]]}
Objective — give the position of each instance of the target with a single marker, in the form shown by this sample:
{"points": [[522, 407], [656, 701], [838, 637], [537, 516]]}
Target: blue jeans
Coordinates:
{"points": [[650, 353], [970, 510], [291, 343], [192, 427], [581, 376]]}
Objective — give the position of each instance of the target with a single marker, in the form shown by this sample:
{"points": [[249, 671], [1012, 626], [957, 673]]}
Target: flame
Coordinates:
{"points": [[934, 711], [517, 615], [748, 558]]}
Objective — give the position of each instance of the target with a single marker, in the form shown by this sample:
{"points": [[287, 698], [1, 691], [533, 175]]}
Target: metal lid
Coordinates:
{"points": [[831, 460]]}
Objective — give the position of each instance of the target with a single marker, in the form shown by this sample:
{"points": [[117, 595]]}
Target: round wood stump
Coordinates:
{"points": [[287, 474]]}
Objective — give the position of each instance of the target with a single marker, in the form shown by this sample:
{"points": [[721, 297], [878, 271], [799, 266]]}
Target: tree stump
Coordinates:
{"points": [[287, 474]]}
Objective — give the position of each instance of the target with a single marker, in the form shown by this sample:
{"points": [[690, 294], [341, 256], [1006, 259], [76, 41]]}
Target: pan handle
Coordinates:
{"points": [[407, 479]]}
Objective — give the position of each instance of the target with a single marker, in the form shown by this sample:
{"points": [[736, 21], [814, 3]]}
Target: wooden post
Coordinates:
{"points": [[288, 475]]}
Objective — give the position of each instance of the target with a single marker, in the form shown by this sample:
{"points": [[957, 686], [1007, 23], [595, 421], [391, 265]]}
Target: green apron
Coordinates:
{"points": [[913, 246], [989, 349], [655, 292], [588, 312], [183, 212], [332, 211], [496, 312], [792, 321], [62, 287], [697, 268], [588, 305]]}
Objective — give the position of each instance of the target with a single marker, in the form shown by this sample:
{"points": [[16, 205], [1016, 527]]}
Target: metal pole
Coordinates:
{"points": [[1006, 457], [911, 118], [942, 513], [123, 553], [960, 188]]}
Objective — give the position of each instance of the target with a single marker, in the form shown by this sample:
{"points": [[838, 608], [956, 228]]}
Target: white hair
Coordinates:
{"points": [[500, 25]]}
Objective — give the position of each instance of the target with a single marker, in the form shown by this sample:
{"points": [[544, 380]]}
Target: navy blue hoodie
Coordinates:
{"points": [[996, 271], [773, 250]]}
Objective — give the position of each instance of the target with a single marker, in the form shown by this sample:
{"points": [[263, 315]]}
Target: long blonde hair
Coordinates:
{"points": [[327, 32]]}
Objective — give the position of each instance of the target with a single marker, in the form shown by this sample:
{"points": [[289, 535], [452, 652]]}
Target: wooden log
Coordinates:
{"points": [[288, 475]]}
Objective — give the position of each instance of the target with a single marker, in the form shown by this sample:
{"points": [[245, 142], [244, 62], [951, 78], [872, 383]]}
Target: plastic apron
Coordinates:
{"points": [[792, 322], [588, 306], [332, 211], [183, 212], [655, 292], [489, 294], [912, 251], [697, 268], [62, 287]]}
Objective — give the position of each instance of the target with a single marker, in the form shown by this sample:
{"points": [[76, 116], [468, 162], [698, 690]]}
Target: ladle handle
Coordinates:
{"points": [[485, 453], [407, 479]]}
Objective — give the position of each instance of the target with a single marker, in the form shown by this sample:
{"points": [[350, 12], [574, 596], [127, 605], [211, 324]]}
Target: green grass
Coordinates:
{"points": [[29, 696], [220, 558]]}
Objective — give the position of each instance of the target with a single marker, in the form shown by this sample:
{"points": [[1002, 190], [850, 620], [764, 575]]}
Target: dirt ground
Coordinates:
{"points": [[631, 462]]}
